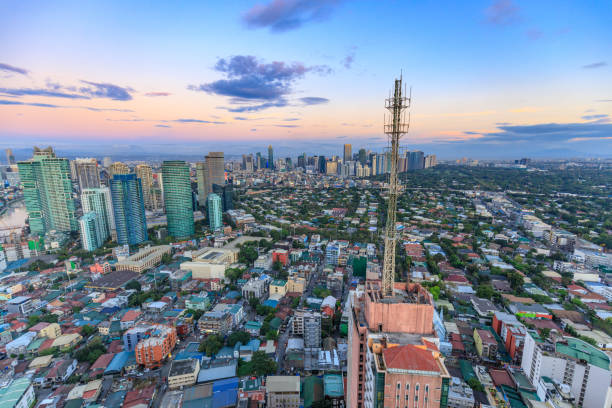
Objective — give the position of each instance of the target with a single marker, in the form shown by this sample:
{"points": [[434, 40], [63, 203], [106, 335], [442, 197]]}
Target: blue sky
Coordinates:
{"points": [[488, 77]]}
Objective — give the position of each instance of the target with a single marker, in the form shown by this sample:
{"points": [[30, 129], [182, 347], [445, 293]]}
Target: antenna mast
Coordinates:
{"points": [[395, 127]]}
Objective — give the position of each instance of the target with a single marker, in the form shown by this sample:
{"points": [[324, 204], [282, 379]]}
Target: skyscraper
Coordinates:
{"points": [[363, 158], [87, 173], [177, 198], [214, 171], [270, 158], [91, 231], [348, 153], [322, 164], [10, 158], [145, 174], [128, 209], [416, 160], [214, 212], [47, 190], [226, 192], [117, 168], [201, 170], [98, 200]]}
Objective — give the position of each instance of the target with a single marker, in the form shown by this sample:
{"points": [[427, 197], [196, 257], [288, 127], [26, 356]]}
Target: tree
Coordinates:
{"points": [[238, 336], [485, 291], [435, 292], [247, 254], [475, 384], [259, 365], [87, 330], [516, 281], [134, 285], [233, 274], [211, 345]]}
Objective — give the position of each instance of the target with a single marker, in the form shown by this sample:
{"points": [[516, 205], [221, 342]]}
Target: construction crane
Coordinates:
{"points": [[396, 125]]}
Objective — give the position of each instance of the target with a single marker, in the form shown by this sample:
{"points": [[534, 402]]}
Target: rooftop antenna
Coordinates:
{"points": [[395, 127]]}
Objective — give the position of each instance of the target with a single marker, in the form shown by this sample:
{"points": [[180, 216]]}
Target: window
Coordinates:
{"points": [[399, 386]]}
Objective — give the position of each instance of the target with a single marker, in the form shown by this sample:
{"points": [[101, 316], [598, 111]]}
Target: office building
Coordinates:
{"points": [[270, 158], [10, 158], [145, 174], [145, 259], [210, 263], [183, 373], [403, 323], [177, 198], [215, 215], [215, 174], [91, 227], [248, 164], [430, 161], [117, 168], [157, 343], [416, 160], [98, 200], [308, 325], [348, 153], [87, 173], [362, 156], [226, 192], [581, 367], [128, 209], [47, 191], [302, 160]]}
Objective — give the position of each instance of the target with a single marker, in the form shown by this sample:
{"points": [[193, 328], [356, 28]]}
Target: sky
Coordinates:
{"points": [[488, 79]]}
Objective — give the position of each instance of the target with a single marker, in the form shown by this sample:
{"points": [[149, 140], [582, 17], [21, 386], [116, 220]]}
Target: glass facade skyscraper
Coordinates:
{"points": [[178, 198], [47, 191], [128, 209], [215, 213], [98, 200], [91, 231]]}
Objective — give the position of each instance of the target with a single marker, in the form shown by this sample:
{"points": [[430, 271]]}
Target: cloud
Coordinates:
{"points": [[154, 94], [347, 62], [469, 132], [105, 90], [534, 34], [502, 12], [599, 64], [40, 92], [163, 126], [544, 134], [287, 126], [313, 100], [49, 105], [290, 119], [13, 69], [284, 15], [55, 90], [255, 84], [594, 117], [198, 121], [240, 118], [36, 104]]}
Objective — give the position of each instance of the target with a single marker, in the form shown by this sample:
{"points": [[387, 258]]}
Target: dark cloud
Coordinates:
{"points": [[13, 69], [599, 64], [254, 85], [240, 118], [198, 121], [105, 90], [163, 126], [313, 100], [154, 94], [469, 132], [284, 15], [502, 12]]}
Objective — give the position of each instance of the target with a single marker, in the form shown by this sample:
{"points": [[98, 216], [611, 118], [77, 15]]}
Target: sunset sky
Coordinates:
{"points": [[486, 76]]}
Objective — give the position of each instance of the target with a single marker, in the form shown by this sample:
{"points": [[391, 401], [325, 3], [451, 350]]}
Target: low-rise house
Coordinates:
{"points": [[485, 343], [183, 373]]}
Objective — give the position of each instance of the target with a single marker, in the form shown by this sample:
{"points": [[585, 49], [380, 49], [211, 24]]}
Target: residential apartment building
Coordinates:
{"points": [[283, 391]]}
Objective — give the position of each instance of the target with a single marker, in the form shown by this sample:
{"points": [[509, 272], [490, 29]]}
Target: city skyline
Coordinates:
{"points": [[492, 78]]}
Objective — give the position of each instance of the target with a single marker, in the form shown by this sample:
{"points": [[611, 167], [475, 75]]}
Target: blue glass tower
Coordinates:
{"points": [[128, 207]]}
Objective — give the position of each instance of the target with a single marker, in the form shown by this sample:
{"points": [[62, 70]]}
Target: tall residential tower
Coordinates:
{"points": [[177, 198], [128, 209]]}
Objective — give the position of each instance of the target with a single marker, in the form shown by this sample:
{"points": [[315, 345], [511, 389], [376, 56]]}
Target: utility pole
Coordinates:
{"points": [[395, 127]]}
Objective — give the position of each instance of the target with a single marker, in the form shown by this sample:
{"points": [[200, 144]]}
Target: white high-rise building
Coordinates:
{"points": [[98, 200]]}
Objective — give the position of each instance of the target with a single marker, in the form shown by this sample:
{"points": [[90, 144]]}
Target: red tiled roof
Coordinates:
{"points": [[501, 377], [130, 315], [410, 357], [102, 362]]}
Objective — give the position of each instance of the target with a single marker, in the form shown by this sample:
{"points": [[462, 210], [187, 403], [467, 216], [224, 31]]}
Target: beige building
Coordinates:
{"points": [[210, 263], [278, 287], [144, 259], [66, 341], [52, 331], [296, 284], [183, 373], [41, 362], [117, 168], [283, 391], [145, 174]]}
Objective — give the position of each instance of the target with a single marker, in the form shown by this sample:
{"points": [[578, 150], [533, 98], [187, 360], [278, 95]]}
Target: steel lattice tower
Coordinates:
{"points": [[395, 126]]}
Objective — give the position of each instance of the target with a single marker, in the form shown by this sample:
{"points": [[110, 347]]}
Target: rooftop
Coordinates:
{"points": [[182, 367], [283, 383], [410, 357], [580, 350]]}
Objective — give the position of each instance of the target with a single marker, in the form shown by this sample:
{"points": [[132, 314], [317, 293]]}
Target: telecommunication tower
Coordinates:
{"points": [[396, 125]]}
